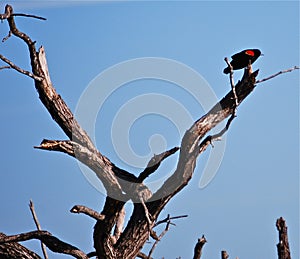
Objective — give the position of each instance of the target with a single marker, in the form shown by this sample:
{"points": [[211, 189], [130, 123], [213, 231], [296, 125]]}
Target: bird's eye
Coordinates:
{"points": [[250, 52]]}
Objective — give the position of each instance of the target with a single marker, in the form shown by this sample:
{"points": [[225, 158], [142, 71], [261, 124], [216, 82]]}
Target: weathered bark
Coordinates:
{"points": [[15, 251], [53, 243], [283, 248]]}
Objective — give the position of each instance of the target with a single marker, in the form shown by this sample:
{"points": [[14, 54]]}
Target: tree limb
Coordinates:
{"points": [[198, 247], [87, 211], [160, 236], [283, 248], [53, 243], [15, 251], [154, 163]]}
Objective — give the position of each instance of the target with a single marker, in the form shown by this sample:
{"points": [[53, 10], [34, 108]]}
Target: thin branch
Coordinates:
{"points": [[15, 251], [198, 247], [169, 218], [5, 67], [7, 37], [20, 70], [29, 15], [38, 226], [154, 163], [53, 243], [87, 211], [160, 236], [277, 74], [232, 81]]}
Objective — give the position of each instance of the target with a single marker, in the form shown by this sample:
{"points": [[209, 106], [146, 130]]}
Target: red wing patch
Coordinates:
{"points": [[250, 52]]}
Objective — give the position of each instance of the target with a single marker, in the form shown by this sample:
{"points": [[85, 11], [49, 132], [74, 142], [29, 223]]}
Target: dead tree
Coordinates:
{"points": [[121, 186]]}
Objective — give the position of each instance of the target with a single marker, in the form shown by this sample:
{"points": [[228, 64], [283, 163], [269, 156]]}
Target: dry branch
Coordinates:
{"points": [[15, 250], [87, 211], [38, 226], [198, 247], [53, 243], [20, 70], [154, 163], [283, 248], [277, 74]]}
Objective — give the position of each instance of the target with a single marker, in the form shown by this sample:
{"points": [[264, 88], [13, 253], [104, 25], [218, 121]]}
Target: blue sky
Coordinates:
{"points": [[258, 179]]}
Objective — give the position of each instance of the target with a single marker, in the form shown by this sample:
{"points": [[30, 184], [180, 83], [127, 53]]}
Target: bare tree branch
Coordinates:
{"points": [[277, 74], [283, 248], [198, 247], [155, 162], [15, 251], [5, 67], [160, 237], [168, 219], [30, 16], [20, 70], [232, 81], [38, 226], [87, 211], [53, 243]]}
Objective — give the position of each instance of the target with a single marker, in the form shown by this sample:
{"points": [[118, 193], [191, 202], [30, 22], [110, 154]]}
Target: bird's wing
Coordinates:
{"points": [[236, 55]]}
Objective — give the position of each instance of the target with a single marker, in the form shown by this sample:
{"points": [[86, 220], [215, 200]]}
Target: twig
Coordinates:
{"points": [[87, 211], [160, 236], [209, 139], [169, 218], [22, 71], [30, 16], [154, 163], [53, 243], [38, 226], [198, 247], [5, 67], [232, 81], [7, 37], [277, 74]]}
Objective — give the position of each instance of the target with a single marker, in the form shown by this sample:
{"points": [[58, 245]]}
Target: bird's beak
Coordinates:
{"points": [[262, 54]]}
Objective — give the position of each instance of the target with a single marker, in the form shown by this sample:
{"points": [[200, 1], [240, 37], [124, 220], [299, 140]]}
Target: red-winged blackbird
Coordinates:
{"points": [[241, 59]]}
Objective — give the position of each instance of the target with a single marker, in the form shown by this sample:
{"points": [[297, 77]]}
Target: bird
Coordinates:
{"points": [[241, 60]]}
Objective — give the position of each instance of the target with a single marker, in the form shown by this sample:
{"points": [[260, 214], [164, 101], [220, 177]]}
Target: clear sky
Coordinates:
{"points": [[258, 177]]}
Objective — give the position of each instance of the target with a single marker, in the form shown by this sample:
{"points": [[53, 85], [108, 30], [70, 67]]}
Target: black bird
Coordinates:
{"points": [[241, 60]]}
